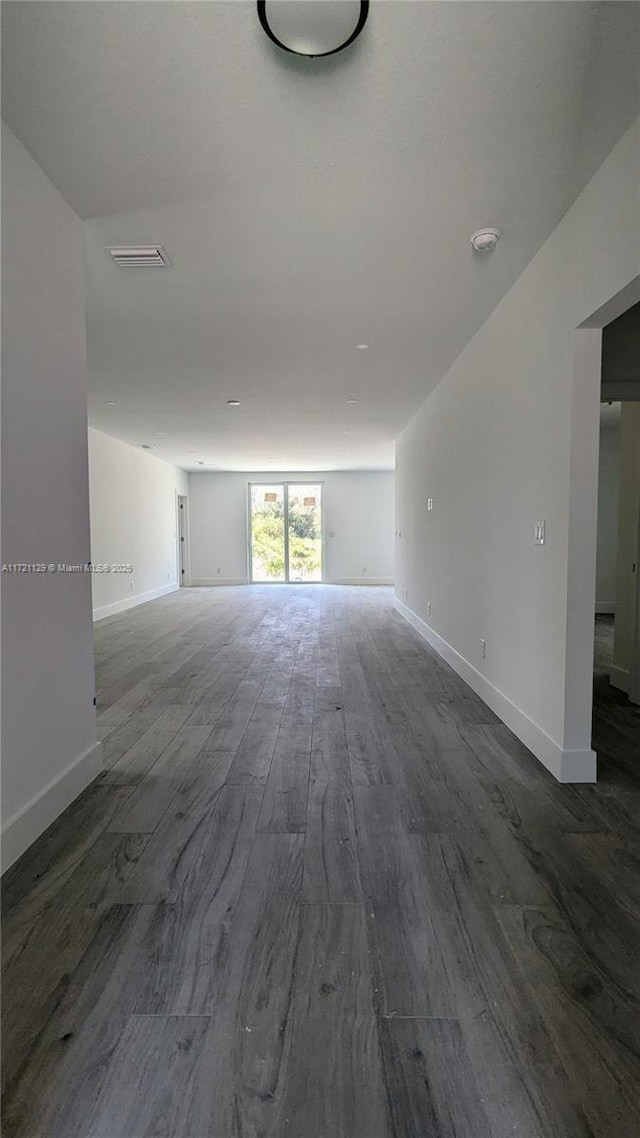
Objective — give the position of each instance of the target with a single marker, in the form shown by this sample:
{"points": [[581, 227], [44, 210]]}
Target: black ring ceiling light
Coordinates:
{"points": [[313, 28]]}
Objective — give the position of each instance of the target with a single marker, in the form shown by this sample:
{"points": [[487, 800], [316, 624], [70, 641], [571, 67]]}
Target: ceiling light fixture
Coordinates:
{"points": [[233, 402], [353, 400], [485, 240], [111, 403], [313, 28], [362, 347]]}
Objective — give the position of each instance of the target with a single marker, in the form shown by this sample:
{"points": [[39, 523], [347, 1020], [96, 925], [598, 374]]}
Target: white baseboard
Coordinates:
{"points": [[207, 582], [620, 678], [132, 601], [606, 608], [360, 581], [566, 766], [34, 818]]}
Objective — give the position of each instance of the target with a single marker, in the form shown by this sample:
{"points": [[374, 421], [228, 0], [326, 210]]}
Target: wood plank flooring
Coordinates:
{"points": [[320, 891]]}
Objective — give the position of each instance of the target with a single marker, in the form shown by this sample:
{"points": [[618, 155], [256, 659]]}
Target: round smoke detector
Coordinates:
{"points": [[484, 240]]}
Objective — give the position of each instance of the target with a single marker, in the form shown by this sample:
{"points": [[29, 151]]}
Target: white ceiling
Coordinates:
{"points": [[307, 205]]}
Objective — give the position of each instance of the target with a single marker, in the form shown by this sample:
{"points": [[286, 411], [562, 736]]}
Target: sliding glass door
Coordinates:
{"points": [[304, 531], [268, 532], [285, 531]]}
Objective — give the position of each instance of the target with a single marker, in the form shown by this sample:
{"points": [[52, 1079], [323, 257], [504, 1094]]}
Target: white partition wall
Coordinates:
{"points": [[133, 523], [508, 440], [49, 750]]}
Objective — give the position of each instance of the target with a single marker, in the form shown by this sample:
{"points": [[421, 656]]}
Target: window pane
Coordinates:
{"points": [[267, 533], [305, 533]]}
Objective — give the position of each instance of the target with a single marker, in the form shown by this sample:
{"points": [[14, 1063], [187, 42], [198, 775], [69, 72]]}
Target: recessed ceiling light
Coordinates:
{"points": [[362, 347], [233, 402], [111, 403], [352, 400]]}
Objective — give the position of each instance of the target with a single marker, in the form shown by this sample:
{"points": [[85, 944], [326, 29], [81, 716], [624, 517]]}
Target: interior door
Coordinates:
{"points": [[182, 540]]}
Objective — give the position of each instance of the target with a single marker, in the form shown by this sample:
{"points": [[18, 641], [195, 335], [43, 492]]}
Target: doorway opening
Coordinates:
{"points": [[616, 703], [285, 532], [588, 723], [618, 540]]}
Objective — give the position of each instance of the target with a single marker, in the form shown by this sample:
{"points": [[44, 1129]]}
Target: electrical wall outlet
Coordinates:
{"points": [[429, 504], [428, 608], [218, 571], [483, 648]]}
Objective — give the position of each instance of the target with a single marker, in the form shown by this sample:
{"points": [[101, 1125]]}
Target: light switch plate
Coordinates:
{"points": [[539, 533]]}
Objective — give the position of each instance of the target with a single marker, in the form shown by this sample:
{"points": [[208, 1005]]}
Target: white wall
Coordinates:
{"points": [[358, 509], [507, 439], [607, 547], [626, 629], [133, 521], [48, 722]]}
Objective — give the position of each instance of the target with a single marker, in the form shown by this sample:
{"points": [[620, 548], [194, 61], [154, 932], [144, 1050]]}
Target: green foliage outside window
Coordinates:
{"points": [[305, 542], [267, 528]]}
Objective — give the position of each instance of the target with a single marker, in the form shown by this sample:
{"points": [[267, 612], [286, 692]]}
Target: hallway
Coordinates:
{"points": [[320, 891]]}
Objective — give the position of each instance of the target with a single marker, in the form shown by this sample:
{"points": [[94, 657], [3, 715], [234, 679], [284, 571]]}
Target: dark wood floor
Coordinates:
{"points": [[321, 892]]}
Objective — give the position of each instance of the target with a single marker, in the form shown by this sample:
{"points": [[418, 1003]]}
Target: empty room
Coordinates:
{"points": [[320, 590]]}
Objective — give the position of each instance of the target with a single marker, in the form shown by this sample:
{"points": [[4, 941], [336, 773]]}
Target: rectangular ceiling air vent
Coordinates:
{"points": [[139, 257]]}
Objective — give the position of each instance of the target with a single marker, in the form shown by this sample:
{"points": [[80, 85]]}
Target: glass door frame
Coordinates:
{"points": [[285, 485]]}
